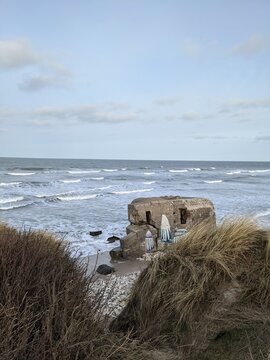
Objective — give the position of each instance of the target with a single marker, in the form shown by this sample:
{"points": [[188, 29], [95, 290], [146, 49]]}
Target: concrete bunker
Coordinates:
{"points": [[145, 215]]}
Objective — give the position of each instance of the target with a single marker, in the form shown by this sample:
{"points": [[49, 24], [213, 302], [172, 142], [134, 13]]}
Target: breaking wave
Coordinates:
{"points": [[110, 170], [77, 197], [71, 181], [178, 171], [21, 174], [148, 182], [83, 171], [10, 183], [213, 181], [97, 178], [234, 172], [130, 191], [263, 213], [11, 199], [5, 208], [149, 173]]}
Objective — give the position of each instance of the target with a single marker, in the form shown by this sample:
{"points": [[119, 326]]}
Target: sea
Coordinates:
{"points": [[70, 198]]}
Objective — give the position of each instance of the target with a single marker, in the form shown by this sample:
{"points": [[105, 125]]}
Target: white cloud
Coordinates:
{"points": [[19, 54], [191, 48], [254, 45], [245, 104]]}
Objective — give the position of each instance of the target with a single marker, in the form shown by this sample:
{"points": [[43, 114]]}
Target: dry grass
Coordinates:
{"points": [[209, 294], [46, 307]]}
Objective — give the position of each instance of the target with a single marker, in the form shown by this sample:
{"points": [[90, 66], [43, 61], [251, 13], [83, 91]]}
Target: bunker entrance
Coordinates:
{"points": [[183, 216]]}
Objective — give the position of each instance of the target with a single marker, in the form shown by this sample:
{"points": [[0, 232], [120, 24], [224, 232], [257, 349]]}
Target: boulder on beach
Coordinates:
{"points": [[208, 296], [116, 253], [95, 233], [112, 239], [105, 269]]}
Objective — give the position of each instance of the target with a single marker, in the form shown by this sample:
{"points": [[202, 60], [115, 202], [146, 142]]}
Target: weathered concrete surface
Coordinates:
{"points": [[133, 245], [182, 212]]}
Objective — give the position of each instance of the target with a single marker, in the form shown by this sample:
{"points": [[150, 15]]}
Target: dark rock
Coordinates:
{"points": [[112, 239], [95, 233], [116, 253], [105, 269]]}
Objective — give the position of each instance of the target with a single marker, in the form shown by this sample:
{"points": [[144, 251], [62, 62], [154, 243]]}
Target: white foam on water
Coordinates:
{"points": [[10, 183], [71, 181], [110, 170], [97, 178], [213, 168], [149, 173], [233, 172], [124, 169], [21, 174], [195, 169], [83, 171], [213, 181], [77, 197], [148, 182], [263, 213], [11, 199], [5, 208], [258, 171], [178, 171], [130, 191]]}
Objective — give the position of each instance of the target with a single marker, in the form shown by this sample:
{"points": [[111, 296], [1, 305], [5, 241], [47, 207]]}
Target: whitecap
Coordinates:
{"points": [[11, 199], [97, 178], [258, 171], [124, 169], [21, 174], [149, 173], [233, 172], [130, 191], [178, 171], [263, 213], [71, 181], [77, 197], [213, 181], [11, 183], [148, 182], [83, 171], [195, 169], [110, 170], [3, 208]]}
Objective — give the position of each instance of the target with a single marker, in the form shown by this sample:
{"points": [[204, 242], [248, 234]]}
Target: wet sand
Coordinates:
{"points": [[121, 267]]}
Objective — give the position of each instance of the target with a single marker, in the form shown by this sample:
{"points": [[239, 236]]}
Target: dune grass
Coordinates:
{"points": [[47, 308], [208, 294]]}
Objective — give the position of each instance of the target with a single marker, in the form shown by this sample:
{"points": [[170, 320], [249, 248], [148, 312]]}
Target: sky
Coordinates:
{"points": [[135, 79]]}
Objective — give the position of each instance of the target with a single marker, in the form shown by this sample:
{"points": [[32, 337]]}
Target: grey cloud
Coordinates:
{"points": [[70, 115], [41, 81], [168, 100], [19, 54], [245, 104], [255, 44], [210, 137], [189, 116], [262, 138]]}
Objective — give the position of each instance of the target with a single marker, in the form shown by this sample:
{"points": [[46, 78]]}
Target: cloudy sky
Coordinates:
{"points": [[135, 79]]}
